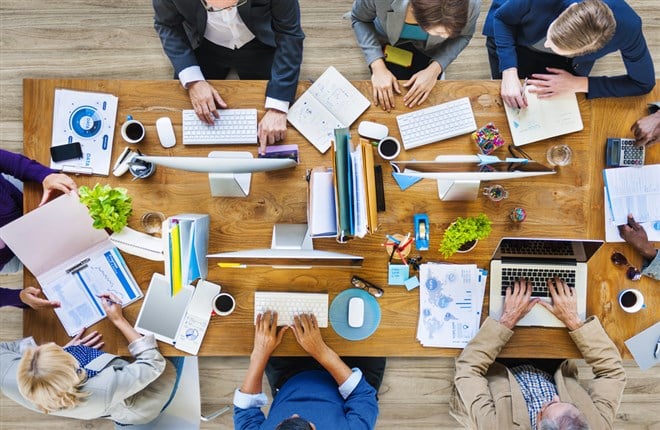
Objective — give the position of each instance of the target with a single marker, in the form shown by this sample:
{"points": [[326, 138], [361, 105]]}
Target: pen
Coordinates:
{"points": [[524, 87], [110, 302]]}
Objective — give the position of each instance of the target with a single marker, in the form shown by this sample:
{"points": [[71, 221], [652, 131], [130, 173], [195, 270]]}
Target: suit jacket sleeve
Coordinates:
{"points": [[288, 49], [169, 25], [363, 16], [505, 21], [471, 367], [449, 50], [601, 354]]}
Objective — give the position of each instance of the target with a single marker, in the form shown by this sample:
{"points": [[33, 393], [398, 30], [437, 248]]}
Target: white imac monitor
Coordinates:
{"points": [[291, 248], [459, 177], [230, 172]]}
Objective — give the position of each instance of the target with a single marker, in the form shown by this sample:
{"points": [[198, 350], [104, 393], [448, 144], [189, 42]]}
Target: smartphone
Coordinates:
{"points": [[66, 152], [398, 56]]}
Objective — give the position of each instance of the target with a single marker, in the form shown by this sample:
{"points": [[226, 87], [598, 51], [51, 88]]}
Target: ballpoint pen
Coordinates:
{"points": [[110, 301]]}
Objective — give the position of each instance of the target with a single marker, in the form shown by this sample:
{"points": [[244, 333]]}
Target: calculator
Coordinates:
{"points": [[622, 152]]}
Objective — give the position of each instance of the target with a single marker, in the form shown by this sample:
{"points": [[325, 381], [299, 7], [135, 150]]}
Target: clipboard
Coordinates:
{"points": [[75, 262]]}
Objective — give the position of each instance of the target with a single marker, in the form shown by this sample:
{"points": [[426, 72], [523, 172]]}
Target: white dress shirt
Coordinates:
{"points": [[226, 28]]}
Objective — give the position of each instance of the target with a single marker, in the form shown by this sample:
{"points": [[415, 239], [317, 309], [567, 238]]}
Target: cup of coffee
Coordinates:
{"points": [[389, 148], [631, 300], [223, 304], [132, 131]]}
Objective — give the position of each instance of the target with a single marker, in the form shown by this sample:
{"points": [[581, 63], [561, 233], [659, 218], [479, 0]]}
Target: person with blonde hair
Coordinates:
{"points": [[80, 381], [555, 43]]}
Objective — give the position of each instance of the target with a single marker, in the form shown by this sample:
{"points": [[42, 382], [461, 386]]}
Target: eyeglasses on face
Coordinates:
{"points": [[632, 272], [237, 3]]}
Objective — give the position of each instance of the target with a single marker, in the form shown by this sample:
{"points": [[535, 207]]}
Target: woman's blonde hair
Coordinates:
{"points": [[583, 28], [50, 378]]}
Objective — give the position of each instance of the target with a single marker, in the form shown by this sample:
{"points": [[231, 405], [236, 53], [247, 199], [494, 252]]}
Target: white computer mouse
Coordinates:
{"points": [[372, 130], [165, 132], [355, 312]]}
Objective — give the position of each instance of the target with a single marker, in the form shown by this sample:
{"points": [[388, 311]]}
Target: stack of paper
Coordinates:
{"points": [[185, 244], [450, 300], [634, 190]]}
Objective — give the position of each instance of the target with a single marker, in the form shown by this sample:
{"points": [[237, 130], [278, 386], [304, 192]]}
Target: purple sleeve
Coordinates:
{"points": [[11, 297], [21, 167]]}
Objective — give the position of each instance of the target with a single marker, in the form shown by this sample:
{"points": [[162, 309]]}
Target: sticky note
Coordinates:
{"points": [[397, 274], [411, 283]]}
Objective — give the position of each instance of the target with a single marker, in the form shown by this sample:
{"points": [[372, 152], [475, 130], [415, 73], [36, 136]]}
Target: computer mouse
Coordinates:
{"points": [[355, 312], [165, 132], [372, 130]]}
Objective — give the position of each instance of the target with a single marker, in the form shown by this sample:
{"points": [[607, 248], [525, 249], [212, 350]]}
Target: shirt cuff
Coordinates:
{"points": [[279, 105], [349, 385], [246, 401], [652, 268], [190, 74]]}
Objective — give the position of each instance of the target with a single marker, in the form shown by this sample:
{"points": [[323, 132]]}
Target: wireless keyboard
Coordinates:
{"points": [[436, 123], [235, 126], [288, 305]]}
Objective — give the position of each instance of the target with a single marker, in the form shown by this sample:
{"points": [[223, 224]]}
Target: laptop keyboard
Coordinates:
{"points": [[537, 277]]}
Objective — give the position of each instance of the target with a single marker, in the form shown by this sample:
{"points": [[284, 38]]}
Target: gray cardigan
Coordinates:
{"points": [[391, 15], [128, 393]]}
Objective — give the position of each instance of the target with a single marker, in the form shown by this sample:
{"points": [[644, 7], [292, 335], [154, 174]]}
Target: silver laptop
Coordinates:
{"points": [[536, 260]]}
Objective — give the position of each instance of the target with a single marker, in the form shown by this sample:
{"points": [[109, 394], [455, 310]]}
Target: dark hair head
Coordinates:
{"points": [[450, 14], [294, 423]]}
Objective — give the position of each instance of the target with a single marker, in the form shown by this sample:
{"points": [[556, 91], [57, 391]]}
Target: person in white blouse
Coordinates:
{"points": [[259, 39]]}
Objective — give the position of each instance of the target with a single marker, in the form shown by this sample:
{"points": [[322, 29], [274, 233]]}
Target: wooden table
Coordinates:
{"points": [[568, 204]]}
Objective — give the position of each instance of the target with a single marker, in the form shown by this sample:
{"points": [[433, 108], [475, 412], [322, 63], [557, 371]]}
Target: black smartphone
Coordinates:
{"points": [[66, 152]]}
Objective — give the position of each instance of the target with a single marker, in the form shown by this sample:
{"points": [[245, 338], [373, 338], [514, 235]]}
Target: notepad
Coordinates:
{"points": [[331, 102], [544, 118]]}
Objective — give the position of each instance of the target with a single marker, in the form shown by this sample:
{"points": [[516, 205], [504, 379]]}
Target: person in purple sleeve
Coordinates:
{"points": [[11, 208]]}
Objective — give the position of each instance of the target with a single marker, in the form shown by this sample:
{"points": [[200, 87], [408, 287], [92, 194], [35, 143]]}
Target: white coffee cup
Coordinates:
{"points": [[631, 300], [389, 148], [223, 304], [132, 131]]}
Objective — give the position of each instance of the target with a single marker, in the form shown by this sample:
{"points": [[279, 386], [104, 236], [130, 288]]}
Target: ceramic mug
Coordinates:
{"points": [[132, 131], [631, 300], [224, 304], [389, 148]]}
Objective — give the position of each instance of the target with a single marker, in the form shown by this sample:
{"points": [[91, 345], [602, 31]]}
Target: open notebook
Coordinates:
{"points": [[544, 118]]}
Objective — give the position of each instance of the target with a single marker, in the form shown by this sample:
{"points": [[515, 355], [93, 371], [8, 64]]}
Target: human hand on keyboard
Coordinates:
{"points": [[205, 101], [266, 336], [384, 84], [564, 303], [307, 332], [421, 84], [517, 303], [272, 129]]}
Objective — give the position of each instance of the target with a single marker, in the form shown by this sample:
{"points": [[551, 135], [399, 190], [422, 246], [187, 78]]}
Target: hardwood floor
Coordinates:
{"points": [[115, 39]]}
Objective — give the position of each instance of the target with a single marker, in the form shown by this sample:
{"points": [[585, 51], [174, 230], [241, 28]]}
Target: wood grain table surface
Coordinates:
{"points": [[568, 204]]}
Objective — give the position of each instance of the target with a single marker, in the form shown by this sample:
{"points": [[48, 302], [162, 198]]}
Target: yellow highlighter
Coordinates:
{"points": [[231, 266]]}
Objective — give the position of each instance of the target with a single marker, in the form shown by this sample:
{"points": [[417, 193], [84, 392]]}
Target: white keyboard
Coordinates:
{"points": [[436, 123], [233, 126], [288, 305]]}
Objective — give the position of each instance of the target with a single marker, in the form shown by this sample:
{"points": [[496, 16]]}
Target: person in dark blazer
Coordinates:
{"points": [[556, 42], [260, 39]]}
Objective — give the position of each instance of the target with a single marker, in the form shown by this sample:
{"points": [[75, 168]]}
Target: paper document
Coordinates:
{"points": [[331, 102], [543, 118], [88, 118], [633, 190], [321, 209], [450, 304], [652, 228]]}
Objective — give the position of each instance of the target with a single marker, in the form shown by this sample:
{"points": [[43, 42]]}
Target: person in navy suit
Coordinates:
{"points": [[556, 42], [259, 39]]}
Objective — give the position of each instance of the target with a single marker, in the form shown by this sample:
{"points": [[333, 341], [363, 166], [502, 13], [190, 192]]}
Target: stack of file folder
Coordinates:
{"points": [[451, 298], [186, 240]]}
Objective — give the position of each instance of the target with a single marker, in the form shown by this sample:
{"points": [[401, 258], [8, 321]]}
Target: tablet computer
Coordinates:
{"points": [[161, 313]]}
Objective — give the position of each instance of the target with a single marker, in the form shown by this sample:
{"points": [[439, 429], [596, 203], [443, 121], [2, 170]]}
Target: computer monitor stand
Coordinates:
{"points": [[291, 236], [458, 190], [230, 184]]}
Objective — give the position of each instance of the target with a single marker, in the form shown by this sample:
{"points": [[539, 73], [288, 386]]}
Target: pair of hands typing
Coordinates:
{"points": [[305, 328], [206, 100], [518, 302]]}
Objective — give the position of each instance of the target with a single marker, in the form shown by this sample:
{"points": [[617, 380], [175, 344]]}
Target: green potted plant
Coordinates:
{"points": [[109, 207], [463, 234]]}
